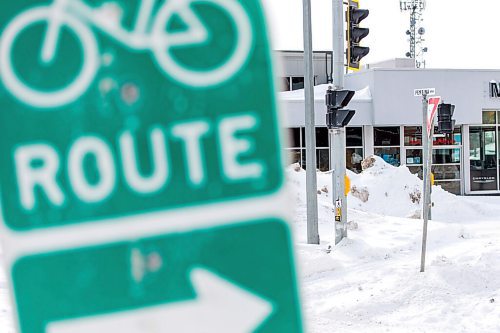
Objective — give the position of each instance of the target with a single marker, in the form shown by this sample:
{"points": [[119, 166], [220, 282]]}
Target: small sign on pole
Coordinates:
{"points": [[424, 92]]}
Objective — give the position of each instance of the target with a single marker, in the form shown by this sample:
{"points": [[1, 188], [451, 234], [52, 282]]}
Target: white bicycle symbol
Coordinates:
{"points": [[77, 16]]}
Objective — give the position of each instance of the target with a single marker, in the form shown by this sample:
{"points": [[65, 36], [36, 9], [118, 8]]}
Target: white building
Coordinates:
{"points": [[388, 119]]}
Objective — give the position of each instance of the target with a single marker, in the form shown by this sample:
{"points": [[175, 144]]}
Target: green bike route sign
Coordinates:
{"points": [[119, 120], [141, 179]]}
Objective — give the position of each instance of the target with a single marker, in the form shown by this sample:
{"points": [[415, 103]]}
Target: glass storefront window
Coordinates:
{"points": [[294, 137], [294, 156], [413, 135], [450, 186], [322, 137], [297, 82], [483, 159], [296, 148], [414, 156], [386, 136], [354, 156], [489, 117], [354, 136], [390, 155], [303, 159], [446, 156], [323, 159], [448, 139], [446, 172]]}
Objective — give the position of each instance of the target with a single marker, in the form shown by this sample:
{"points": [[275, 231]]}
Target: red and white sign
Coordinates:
{"points": [[432, 106]]}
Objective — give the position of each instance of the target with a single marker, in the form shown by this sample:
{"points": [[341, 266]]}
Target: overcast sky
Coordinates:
{"points": [[459, 33]]}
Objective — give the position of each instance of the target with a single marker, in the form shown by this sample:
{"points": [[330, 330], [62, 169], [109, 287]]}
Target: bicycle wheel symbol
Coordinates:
{"points": [[43, 99], [199, 78]]}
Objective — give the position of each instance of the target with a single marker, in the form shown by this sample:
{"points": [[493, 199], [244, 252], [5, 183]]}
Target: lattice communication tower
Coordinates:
{"points": [[417, 31]]}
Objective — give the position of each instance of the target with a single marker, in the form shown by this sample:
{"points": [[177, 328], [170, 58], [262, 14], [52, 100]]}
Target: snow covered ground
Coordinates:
{"points": [[371, 282]]}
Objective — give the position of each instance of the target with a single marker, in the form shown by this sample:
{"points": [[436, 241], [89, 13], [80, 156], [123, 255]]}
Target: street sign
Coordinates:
{"points": [[237, 283], [424, 91], [141, 181], [432, 106]]}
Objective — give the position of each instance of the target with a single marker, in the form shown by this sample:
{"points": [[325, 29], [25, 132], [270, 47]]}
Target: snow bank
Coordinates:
{"points": [[387, 190], [371, 281]]}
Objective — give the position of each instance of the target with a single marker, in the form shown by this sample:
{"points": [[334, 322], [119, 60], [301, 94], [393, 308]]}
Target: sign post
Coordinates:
{"points": [[429, 109], [141, 178]]}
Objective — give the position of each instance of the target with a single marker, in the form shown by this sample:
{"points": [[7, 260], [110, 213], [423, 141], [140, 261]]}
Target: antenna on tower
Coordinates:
{"points": [[417, 31]]}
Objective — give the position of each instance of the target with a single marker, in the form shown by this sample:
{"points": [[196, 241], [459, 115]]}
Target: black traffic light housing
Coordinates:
{"points": [[336, 100], [355, 34], [446, 124]]}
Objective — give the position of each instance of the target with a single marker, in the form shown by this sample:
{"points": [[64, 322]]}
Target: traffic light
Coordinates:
{"points": [[355, 34], [336, 100], [445, 123]]}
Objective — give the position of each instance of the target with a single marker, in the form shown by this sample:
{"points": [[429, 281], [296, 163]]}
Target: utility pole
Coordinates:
{"points": [[310, 130], [337, 135]]}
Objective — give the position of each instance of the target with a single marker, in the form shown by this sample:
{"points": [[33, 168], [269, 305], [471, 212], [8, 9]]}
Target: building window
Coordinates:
{"points": [[322, 137], [354, 150], [289, 83], [446, 156], [297, 83], [322, 149], [452, 139], [489, 117], [446, 162], [414, 156], [387, 144], [484, 158], [323, 159], [413, 135], [386, 136], [296, 148]]}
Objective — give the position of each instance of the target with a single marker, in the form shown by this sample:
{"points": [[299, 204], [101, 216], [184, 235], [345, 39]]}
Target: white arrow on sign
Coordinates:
{"points": [[219, 306]]}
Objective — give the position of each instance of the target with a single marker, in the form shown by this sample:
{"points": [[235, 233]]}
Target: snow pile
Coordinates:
{"points": [[387, 190], [371, 281]]}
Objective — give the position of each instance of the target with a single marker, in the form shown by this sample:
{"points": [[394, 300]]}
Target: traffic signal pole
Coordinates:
{"points": [[337, 135], [310, 131]]}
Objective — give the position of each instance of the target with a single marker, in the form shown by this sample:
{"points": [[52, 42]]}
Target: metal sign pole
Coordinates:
{"points": [[427, 146], [310, 132], [338, 134]]}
